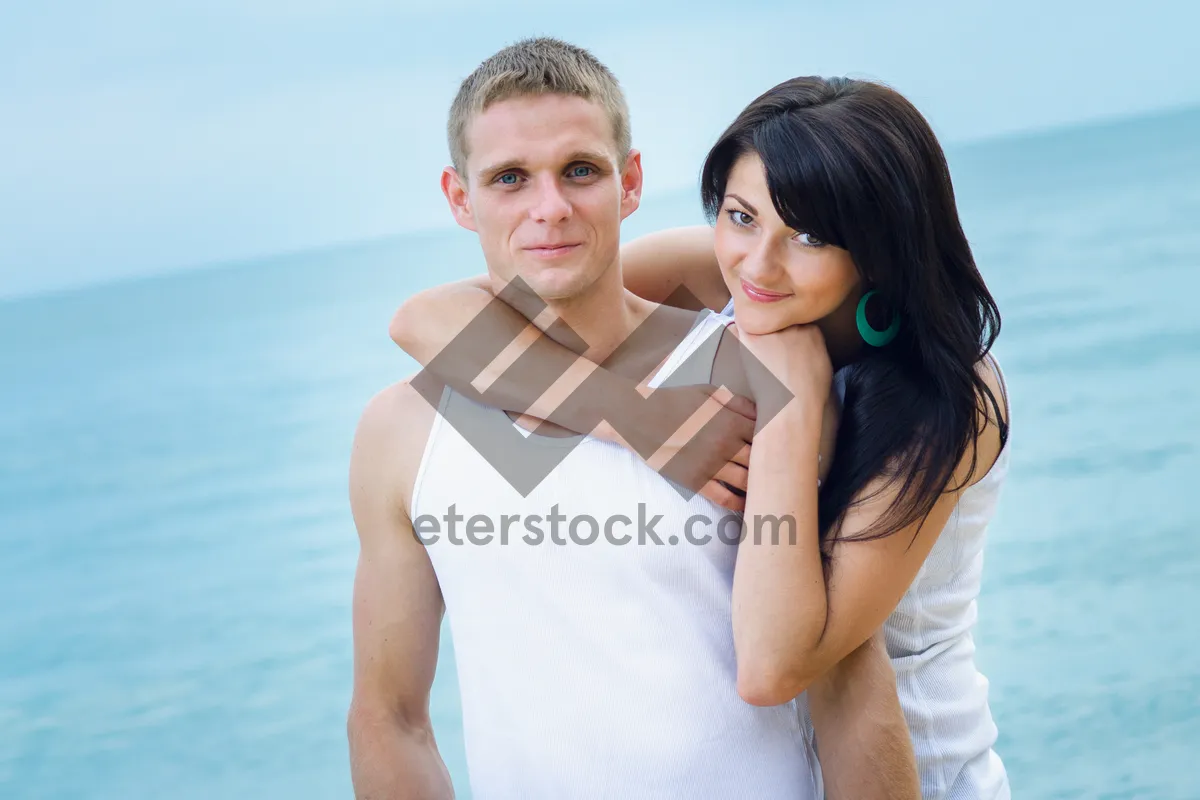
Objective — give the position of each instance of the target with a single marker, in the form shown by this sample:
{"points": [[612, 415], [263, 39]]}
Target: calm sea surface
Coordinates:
{"points": [[176, 549]]}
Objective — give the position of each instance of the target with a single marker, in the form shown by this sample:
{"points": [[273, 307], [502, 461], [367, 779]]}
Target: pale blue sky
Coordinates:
{"points": [[140, 136]]}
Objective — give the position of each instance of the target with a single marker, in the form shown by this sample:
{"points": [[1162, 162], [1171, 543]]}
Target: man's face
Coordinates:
{"points": [[545, 192]]}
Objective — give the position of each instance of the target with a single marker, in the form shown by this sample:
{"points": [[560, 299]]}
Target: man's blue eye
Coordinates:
{"points": [[581, 172], [505, 178]]}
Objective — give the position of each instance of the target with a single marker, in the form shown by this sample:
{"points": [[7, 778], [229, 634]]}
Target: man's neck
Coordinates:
{"points": [[595, 322]]}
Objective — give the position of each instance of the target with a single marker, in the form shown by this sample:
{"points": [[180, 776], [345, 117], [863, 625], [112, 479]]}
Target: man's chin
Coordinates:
{"points": [[556, 283]]}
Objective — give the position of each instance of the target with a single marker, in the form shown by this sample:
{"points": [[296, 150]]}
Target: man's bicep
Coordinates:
{"points": [[397, 607], [397, 618]]}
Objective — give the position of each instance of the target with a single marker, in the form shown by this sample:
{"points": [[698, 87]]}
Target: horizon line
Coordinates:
{"points": [[342, 245]]}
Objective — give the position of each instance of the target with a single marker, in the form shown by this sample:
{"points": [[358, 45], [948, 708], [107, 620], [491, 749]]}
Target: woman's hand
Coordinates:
{"points": [[795, 357], [707, 448]]}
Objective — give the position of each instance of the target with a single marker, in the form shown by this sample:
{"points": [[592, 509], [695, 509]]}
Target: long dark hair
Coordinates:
{"points": [[855, 164]]}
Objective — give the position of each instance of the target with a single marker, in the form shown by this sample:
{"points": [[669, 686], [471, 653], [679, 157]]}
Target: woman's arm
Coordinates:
{"points": [[654, 267], [791, 625], [677, 267], [469, 339]]}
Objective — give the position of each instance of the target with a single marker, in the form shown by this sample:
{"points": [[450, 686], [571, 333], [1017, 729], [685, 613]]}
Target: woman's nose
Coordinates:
{"points": [[761, 265]]}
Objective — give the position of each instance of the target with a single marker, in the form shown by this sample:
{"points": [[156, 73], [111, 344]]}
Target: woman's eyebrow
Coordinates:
{"points": [[742, 200]]}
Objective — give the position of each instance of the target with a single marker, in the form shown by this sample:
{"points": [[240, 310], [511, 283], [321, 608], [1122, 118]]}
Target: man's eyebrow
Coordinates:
{"points": [[503, 166], [586, 155], [516, 163], [742, 200]]}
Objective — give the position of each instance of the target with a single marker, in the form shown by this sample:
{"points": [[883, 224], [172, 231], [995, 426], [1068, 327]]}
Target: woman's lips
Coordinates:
{"points": [[761, 295]]}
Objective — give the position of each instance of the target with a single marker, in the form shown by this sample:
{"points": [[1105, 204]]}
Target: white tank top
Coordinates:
{"points": [[601, 670], [942, 693]]}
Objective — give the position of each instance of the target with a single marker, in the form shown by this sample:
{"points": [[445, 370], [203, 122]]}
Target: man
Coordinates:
{"points": [[594, 666]]}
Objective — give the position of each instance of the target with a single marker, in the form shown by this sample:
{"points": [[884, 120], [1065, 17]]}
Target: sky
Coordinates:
{"points": [[138, 136]]}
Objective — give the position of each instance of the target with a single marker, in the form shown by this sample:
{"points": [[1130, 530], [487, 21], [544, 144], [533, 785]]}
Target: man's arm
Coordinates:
{"points": [[865, 748], [397, 615]]}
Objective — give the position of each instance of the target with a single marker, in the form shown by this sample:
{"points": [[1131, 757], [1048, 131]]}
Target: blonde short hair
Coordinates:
{"points": [[535, 67]]}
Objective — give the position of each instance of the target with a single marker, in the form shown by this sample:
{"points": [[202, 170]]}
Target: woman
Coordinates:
{"points": [[839, 250]]}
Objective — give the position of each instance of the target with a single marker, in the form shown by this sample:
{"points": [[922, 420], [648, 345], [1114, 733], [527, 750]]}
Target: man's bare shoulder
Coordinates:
{"points": [[392, 433], [405, 409]]}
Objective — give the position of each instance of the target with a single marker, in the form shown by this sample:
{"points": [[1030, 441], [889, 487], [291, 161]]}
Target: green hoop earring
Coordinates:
{"points": [[870, 335]]}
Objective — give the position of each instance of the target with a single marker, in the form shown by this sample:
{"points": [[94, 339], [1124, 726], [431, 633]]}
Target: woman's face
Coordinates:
{"points": [[777, 276]]}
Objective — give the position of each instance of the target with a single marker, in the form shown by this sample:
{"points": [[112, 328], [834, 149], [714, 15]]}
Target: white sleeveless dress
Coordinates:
{"points": [[942, 693], [599, 670]]}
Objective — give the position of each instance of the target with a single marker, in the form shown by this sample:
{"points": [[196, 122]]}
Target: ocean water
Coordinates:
{"points": [[176, 549]]}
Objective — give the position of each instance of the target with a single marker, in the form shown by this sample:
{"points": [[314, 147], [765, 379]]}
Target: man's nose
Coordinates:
{"points": [[550, 205]]}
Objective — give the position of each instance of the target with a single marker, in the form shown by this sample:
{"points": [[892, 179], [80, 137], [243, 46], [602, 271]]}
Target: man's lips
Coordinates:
{"points": [[552, 250], [761, 295]]}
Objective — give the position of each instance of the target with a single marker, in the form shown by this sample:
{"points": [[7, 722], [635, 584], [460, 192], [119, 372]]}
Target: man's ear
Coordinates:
{"points": [[631, 184], [455, 189]]}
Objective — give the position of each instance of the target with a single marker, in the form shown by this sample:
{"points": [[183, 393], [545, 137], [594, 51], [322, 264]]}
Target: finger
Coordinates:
{"points": [[742, 457], [741, 405], [726, 439], [732, 500], [733, 476], [736, 424], [734, 402], [745, 429], [723, 497]]}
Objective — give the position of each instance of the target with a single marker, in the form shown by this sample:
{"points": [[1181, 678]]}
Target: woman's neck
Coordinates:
{"points": [[841, 336]]}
